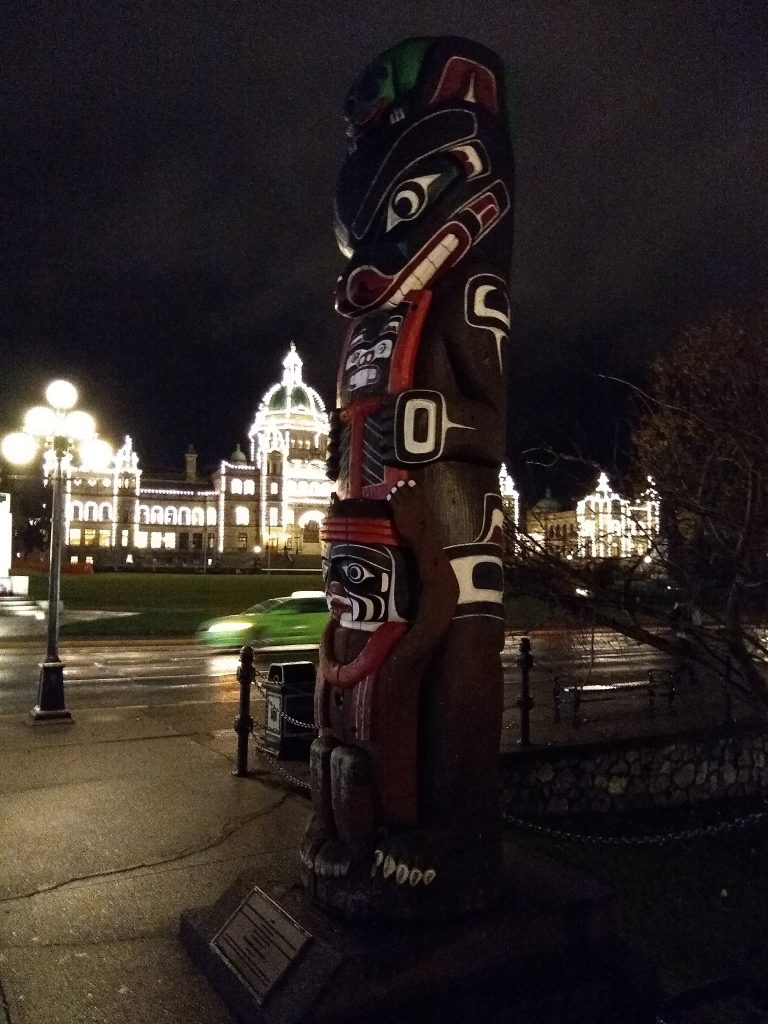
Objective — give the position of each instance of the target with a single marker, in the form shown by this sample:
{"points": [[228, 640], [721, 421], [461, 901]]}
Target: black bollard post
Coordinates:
{"points": [[525, 661], [246, 674]]}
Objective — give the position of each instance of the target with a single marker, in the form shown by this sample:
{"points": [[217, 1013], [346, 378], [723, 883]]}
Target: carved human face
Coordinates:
{"points": [[365, 583]]}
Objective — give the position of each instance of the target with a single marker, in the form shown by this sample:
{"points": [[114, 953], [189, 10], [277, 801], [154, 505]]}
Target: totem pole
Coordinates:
{"points": [[404, 772]]}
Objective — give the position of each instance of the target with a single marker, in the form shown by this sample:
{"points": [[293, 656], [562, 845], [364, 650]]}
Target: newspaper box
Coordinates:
{"points": [[288, 729]]}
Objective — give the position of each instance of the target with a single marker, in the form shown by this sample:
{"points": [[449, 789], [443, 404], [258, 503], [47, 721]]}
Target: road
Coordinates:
{"points": [[100, 674]]}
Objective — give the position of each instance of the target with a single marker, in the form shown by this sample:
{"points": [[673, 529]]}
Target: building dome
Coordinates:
{"points": [[547, 503], [290, 399], [291, 396], [238, 455]]}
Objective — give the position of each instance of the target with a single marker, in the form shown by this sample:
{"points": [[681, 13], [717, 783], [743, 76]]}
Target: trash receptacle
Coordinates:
{"points": [[290, 690]]}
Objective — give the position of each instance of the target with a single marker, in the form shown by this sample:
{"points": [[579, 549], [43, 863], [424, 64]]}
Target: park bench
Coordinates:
{"points": [[659, 683]]}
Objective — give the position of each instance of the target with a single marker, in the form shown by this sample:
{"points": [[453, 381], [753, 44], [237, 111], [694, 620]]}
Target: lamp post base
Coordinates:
{"points": [[50, 695]]}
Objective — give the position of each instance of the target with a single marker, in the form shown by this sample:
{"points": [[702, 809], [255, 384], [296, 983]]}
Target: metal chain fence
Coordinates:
{"points": [[274, 763], [658, 839]]}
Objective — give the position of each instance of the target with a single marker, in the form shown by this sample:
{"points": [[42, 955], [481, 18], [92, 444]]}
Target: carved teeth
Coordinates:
{"points": [[426, 269], [416, 876], [402, 873], [389, 866], [429, 876]]}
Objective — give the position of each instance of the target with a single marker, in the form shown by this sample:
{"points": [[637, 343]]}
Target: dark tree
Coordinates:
{"points": [[701, 436]]}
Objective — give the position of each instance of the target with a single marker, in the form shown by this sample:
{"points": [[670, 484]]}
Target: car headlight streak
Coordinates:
{"points": [[229, 627]]}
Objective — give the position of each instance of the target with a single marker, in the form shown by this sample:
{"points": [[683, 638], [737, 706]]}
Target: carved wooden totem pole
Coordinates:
{"points": [[409, 698]]}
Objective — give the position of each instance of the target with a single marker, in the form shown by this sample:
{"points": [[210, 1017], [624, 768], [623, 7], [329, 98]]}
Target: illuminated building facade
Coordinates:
{"points": [[245, 511], [604, 524], [122, 517], [288, 437]]}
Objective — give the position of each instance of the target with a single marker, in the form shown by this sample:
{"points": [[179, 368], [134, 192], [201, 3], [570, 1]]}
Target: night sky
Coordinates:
{"points": [[168, 171]]}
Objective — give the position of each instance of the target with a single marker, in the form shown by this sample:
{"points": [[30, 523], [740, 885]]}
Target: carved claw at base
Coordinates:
{"points": [[401, 859]]}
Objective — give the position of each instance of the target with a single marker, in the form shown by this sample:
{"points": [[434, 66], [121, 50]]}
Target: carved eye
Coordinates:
{"points": [[356, 573], [409, 199]]}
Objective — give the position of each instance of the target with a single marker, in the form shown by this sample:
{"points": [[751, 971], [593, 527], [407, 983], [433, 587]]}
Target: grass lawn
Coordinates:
{"points": [[168, 604], [174, 604]]}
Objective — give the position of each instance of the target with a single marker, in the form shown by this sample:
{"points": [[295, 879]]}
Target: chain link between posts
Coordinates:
{"points": [[658, 839]]}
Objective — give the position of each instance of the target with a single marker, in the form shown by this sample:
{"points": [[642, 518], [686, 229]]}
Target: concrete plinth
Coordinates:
{"points": [[552, 939]]}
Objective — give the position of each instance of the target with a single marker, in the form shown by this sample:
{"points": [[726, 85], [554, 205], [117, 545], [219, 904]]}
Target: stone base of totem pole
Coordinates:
{"points": [[548, 952]]}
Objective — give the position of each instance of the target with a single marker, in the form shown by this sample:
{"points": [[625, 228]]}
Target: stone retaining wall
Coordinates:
{"points": [[639, 773]]}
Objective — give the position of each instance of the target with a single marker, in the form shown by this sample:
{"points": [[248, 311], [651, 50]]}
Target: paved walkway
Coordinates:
{"points": [[111, 826]]}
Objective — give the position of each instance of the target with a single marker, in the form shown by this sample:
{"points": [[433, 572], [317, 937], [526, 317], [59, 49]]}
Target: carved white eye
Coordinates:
{"points": [[409, 199], [356, 573]]}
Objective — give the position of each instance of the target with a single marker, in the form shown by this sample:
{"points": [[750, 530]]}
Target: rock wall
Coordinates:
{"points": [[640, 773]]}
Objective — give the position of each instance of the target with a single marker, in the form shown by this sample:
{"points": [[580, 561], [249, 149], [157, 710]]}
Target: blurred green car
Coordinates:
{"points": [[295, 621]]}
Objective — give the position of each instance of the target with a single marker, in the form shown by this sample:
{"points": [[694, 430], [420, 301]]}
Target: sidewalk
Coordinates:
{"points": [[111, 826]]}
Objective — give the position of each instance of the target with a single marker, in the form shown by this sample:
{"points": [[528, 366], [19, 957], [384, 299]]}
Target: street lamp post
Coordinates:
{"points": [[58, 427]]}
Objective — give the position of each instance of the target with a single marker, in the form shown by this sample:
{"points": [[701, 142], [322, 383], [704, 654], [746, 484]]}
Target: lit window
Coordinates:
{"points": [[210, 516], [198, 516], [169, 540], [156, 539], [74, 536], [249, 487], [140, 538], [170, 516], [236, 487], [73, 559], [105, 538], [242, 515], [156, 515], [273, 517], [89, 537], [273, 488], [123, 538], [242, 541]]}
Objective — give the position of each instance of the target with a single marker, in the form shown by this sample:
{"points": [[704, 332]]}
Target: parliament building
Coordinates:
{"points": [[257, 508]]}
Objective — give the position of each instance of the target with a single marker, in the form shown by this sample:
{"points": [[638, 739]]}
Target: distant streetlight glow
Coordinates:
{"points": [[79, 426], [57, 427], [41, 421], [61, 394], [19, 448]]}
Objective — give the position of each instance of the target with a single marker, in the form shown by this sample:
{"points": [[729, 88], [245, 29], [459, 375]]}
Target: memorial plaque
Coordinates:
{"points": [[259, 942]]}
